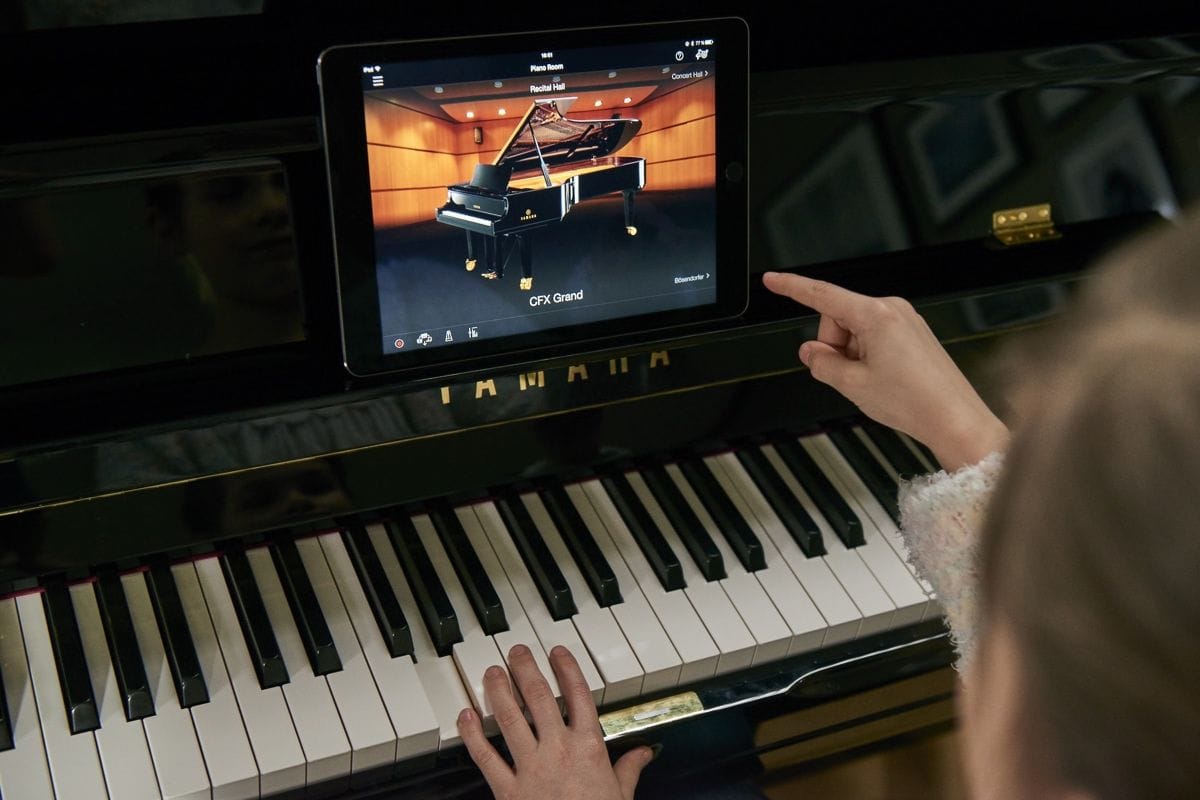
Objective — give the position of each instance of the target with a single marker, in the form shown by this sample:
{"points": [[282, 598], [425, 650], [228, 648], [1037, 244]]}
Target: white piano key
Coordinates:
{"points": [[890, 531], [24, 771], [265, 714], [770, 630], [869, 597], [687, 633], [438, 674], [643, 626], [641, 647], [712, 605], [322, 737], [412, 717], [790, 598], [550, 632], [124, 751], [477, 651], [232, 769], [880, 532], [520, 631], [838, 610], [74, 761], [372, 739], [178, 761]]}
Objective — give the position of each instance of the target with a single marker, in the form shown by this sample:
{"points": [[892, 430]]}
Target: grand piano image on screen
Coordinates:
{"points": [[549, 164]]}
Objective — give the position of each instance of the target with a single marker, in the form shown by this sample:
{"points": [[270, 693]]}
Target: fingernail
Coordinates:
{"points": [[655, 749], [464, 716], [558, 651], [518, 650], [805, 353], [494, 672]]}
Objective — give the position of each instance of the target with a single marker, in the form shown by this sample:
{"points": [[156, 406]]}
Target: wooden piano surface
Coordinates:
{"points": [[177, 472]]}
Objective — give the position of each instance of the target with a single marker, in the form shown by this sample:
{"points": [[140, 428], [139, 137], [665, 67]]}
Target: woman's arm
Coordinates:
{"points": [[880, 354]]}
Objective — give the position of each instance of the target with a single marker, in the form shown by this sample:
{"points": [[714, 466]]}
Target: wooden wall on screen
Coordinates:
{"points": [[413, 157], [678, 138]]}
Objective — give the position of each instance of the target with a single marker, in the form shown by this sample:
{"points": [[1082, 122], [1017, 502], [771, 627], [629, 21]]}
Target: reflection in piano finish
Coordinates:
{"points": [[1095, 130], [306, 516]]}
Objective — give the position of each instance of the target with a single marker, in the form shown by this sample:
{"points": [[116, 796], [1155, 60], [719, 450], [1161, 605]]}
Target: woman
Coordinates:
{"points": [[1074, 601]]}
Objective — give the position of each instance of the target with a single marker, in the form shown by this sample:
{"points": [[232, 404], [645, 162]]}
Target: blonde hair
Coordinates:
{"points": [[1091, 550]]}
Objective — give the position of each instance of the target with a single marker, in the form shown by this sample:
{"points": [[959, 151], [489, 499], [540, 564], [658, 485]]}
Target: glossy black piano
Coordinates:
{"points": [[549, 164], [228, 570]]}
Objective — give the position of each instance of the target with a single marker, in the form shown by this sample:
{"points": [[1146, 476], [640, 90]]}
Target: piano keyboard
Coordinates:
{"points": [[328, 661]]}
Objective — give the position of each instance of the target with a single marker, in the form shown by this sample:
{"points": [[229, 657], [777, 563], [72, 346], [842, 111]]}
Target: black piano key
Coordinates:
{"points": [[123, 647], [73, 677], [426, 587], [252, 617], [793, 516], [475, 581], [6, 734], [879, 483], [828, 499], [745, 544], [579, 540], [176, 635], [654, 546], [306, 609], [380, 596], [687, 525], [893, 448], [528, 539]]}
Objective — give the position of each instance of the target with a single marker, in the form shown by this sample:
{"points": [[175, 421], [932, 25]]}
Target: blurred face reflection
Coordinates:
{"points": [[238, 229], [290, 492]]}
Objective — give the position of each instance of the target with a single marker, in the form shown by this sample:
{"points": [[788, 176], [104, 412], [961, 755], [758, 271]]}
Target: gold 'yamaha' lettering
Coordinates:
{"points": [[445, 395], [660, 358], [577, 371], [488, 386], [528, 215], [537, 379], [618, 364]]}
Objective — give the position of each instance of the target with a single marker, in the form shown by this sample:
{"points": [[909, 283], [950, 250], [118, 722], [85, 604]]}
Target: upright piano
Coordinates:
{"points": [[228, 570]]}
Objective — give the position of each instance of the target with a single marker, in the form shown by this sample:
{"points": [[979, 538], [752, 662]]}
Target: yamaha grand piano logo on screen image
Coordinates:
{"points": [[529, 214]]}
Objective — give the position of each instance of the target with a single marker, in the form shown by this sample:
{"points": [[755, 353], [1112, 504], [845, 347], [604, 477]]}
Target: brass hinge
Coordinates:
{"points": [[1024, 225]]}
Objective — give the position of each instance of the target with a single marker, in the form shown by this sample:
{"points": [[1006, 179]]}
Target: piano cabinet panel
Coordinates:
{"points": [[900, 707]]}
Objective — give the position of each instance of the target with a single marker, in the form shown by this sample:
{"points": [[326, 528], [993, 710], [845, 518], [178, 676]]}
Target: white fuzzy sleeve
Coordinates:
{"points": [[940, 519]]}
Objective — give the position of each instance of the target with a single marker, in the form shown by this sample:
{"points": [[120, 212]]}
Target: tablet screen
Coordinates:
{"points": [[516, 196]]}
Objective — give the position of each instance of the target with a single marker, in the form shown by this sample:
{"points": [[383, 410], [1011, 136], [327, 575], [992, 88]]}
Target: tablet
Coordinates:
{"points": [[498, 199]]}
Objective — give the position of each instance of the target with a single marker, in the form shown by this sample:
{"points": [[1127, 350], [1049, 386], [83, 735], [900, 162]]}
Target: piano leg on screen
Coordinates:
{"points": [[498, 254], [470, 251], [630, 228], [525, 243]]}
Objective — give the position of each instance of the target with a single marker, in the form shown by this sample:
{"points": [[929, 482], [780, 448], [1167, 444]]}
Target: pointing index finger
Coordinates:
{"points": [[821, 296]]}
